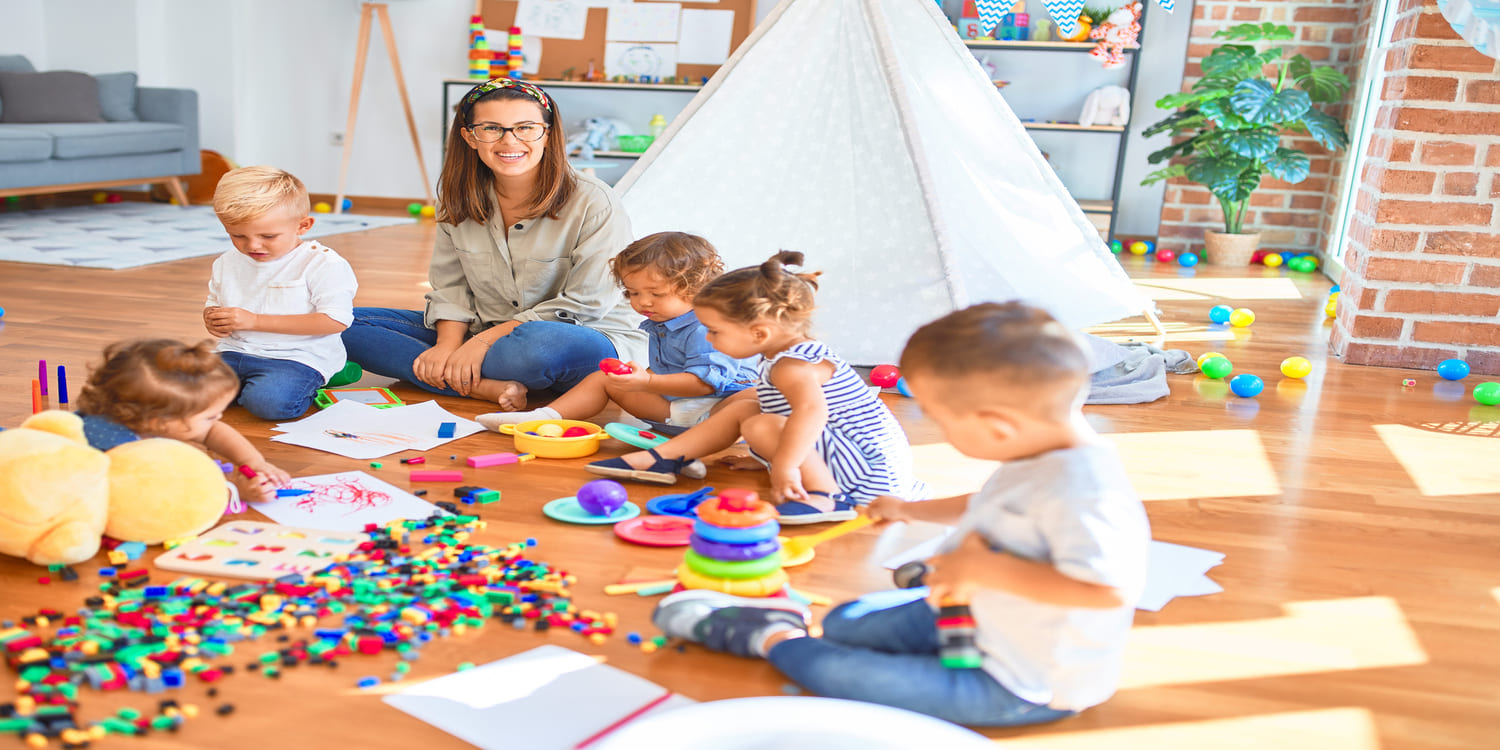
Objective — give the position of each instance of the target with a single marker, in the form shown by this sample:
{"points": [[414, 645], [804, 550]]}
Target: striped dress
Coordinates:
{"points": [[862, 443]]}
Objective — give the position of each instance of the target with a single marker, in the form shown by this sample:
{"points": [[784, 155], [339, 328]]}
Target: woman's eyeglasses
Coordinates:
{"points": [[526, 132]]}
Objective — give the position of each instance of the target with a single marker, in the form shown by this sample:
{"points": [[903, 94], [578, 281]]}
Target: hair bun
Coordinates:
{"points": [[181, 359]]}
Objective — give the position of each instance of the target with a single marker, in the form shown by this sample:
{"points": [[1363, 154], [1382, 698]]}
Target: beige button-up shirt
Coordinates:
{"points": [[546, 269]]}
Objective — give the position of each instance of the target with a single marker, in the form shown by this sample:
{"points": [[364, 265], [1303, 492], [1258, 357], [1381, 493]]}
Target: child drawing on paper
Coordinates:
{"points": [[642, 60], [345, 492], [373, 439]]}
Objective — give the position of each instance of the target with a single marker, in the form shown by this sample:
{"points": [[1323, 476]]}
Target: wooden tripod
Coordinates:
{"points": [[366, 9]]}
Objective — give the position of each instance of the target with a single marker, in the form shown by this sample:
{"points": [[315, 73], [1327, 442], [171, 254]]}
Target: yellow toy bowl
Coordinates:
{"points": [[555, 447]]}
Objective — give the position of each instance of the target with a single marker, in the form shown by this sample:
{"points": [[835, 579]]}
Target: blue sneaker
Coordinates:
{"points": [[733, 624], [796, 512]]}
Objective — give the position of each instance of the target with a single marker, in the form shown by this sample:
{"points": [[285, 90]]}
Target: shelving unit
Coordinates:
{"points": [[1101, 212]]}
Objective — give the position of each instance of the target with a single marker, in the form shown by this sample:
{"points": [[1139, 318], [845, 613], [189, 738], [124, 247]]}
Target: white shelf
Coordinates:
{"points": [[1074, 127], [620, 154], [1044, 46]]}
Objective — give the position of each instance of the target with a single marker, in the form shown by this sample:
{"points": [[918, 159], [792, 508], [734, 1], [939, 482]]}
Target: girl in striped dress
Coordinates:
{"points": [[827, 439]]}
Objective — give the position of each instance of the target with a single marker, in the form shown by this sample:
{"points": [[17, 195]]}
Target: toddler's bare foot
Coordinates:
{"points": [[507, 394], [741, 463]]}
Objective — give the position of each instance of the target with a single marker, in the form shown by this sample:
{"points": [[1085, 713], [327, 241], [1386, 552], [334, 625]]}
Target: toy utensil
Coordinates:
{"points": [[801, 545]]}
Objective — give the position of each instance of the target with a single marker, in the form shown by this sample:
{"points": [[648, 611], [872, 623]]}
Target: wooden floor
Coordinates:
{"points": [[1360, 519]]}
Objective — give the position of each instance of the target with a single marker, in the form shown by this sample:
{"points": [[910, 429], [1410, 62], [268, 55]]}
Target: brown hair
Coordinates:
{"points": [[686, 261], [465, 183], [1011, 343], [248, 193], [767, 291], [150, 380]]}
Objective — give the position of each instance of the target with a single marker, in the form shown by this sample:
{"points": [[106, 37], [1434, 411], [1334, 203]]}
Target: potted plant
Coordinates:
{"points": [[1227, 130]]}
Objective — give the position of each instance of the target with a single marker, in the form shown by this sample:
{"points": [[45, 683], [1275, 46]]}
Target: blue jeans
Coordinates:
{"points": [[540, 355], [883, 649], [274, 388]]}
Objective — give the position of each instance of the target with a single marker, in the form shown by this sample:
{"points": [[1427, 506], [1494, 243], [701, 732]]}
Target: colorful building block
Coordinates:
{"points": [[493, 459], [437, 476]]}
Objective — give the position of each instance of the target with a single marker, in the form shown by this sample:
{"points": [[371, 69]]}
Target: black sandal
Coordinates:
{"points": [[664, 471]]}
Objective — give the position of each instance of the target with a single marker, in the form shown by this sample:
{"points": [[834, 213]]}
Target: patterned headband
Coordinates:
{"points": [[495, 84]]}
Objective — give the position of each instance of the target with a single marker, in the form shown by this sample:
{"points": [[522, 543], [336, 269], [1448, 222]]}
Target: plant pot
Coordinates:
{"points": [[1224, 249]]}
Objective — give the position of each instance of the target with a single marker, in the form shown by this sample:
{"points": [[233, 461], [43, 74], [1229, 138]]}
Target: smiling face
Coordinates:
{"points": [[269, 236], [651, 295], [509, 157]]}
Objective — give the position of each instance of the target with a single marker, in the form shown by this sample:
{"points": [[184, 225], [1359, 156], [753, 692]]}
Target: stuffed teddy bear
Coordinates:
{"points": [[58, 495]]}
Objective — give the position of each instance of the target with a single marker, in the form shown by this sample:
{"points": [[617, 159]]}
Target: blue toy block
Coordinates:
{"points": [[445, 430]]}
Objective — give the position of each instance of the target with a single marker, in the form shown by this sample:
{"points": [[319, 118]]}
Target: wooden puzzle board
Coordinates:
{"points": [[262, 551]]}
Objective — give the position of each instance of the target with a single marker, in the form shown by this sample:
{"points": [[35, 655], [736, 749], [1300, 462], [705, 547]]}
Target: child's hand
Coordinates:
{"points": [[635, 381], [786, 484], [214, 329], [952, 576], [229, 319], [888, 508], [263, 486]]}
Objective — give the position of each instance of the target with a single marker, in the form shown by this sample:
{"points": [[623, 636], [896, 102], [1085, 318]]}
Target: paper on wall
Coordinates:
{"points": [[636, 59], [608, 3], [643, 22], [559, 19], [704, 37]]}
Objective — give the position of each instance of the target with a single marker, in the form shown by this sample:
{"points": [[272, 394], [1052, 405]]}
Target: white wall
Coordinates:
{"points": [[23, 30]]}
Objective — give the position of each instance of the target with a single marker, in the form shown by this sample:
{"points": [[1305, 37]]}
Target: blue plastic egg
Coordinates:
{"points": [[1247, 386], [1220, 313], [1453, 369]]}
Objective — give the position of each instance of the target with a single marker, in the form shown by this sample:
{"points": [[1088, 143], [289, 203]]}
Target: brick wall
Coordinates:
{"points": [[1289, 217], [1422, 280]]}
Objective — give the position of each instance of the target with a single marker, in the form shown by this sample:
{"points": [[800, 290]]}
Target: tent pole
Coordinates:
{"points": [[1155, 321]]}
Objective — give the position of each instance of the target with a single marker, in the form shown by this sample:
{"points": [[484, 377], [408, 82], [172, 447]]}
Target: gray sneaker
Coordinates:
{"points": [[732, 624]]}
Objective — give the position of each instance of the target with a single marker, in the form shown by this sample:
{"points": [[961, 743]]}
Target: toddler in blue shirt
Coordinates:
{"points": [[687, 378]]}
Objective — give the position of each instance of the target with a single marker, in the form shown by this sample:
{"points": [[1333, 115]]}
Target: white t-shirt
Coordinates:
{"points": [[311, 278], [1074, 509]]}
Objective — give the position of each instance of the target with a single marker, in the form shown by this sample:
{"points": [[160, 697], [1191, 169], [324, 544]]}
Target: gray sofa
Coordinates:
{"points": [[53, 157]]}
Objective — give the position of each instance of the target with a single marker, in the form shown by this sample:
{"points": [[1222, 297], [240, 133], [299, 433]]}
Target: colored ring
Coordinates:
{"points": [[745, 535], [759, 513], [766, 586], [735, 570], [733, 552]]}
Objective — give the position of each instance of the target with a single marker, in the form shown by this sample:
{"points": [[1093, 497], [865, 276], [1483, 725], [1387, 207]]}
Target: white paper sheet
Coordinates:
{"points": [[559, 19], [704, 37], [1172, 570], [643, 22], [640, 59], [364, 432], [609, 3], [345, 502], [548, 697]]}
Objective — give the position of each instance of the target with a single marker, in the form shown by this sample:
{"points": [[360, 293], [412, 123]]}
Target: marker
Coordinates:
{"points": [[62, 385], [292, 493], [248, 472], [36, 396], [41, 374]]}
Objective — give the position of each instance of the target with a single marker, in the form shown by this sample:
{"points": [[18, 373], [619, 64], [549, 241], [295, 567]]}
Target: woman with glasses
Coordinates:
{"points": [[522, 298]]}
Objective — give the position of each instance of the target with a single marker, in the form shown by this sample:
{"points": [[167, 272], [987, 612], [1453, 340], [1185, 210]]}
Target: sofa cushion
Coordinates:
{"points": [[86, 141], [14, 64], [117, 97], [54, 96], [23, 143]]}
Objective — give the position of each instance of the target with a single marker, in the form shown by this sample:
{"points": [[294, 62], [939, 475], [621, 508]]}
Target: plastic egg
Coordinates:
{"points": [[1217, 368], [885, 376], [1241, 317], [1246, 386], [1296, 367], [1453, 369], [550, 429], [1220, 313], [1271, 260]]}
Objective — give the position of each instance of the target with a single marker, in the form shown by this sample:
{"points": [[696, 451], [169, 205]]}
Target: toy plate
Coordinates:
{"points": [[567, 510], [635, 436], [656, 531]]}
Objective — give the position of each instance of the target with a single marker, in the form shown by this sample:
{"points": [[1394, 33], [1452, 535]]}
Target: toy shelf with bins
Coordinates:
{"points": [[1077, 153]]}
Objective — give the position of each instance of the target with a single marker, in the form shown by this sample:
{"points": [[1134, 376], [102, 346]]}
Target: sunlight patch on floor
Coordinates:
{"points": [[1161, 465], [1312, 637], [1444, 463], [1343, 728], [1177, 332], [1214, 289], [1198, 463]]}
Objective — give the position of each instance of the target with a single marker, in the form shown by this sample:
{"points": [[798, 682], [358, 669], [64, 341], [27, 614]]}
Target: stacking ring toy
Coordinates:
{"points": [[766, 586], [756, 513], [735, 570], [745, 535], [734, 552]]}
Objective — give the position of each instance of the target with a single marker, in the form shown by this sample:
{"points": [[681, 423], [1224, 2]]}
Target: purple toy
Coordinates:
{"points": [[601, 497]]}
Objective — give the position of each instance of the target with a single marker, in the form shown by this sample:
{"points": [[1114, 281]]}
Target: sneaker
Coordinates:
{"points": [[796, 512], [733, 624]]}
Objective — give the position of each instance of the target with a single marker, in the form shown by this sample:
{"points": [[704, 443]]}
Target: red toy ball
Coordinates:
{"points": [[114, 198], [614, 366], [1165, 256], [575, 432], [885, 376]]}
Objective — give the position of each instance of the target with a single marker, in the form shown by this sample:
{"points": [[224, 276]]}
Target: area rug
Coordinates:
{"points": [[126, 235]]}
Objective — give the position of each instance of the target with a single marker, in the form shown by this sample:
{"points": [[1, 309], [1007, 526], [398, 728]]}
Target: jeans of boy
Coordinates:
{"points": [[884, 649], [274, 388], [540, 354]]}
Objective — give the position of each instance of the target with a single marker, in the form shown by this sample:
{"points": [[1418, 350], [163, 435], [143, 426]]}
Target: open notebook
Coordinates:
{"points": [[545, 698]]}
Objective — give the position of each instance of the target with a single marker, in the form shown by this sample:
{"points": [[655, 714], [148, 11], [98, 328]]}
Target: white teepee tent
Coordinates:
{"points": [[864, 134]]}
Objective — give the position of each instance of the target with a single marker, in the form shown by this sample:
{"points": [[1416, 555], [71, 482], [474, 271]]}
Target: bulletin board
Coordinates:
{"points": [[560, 54]]}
